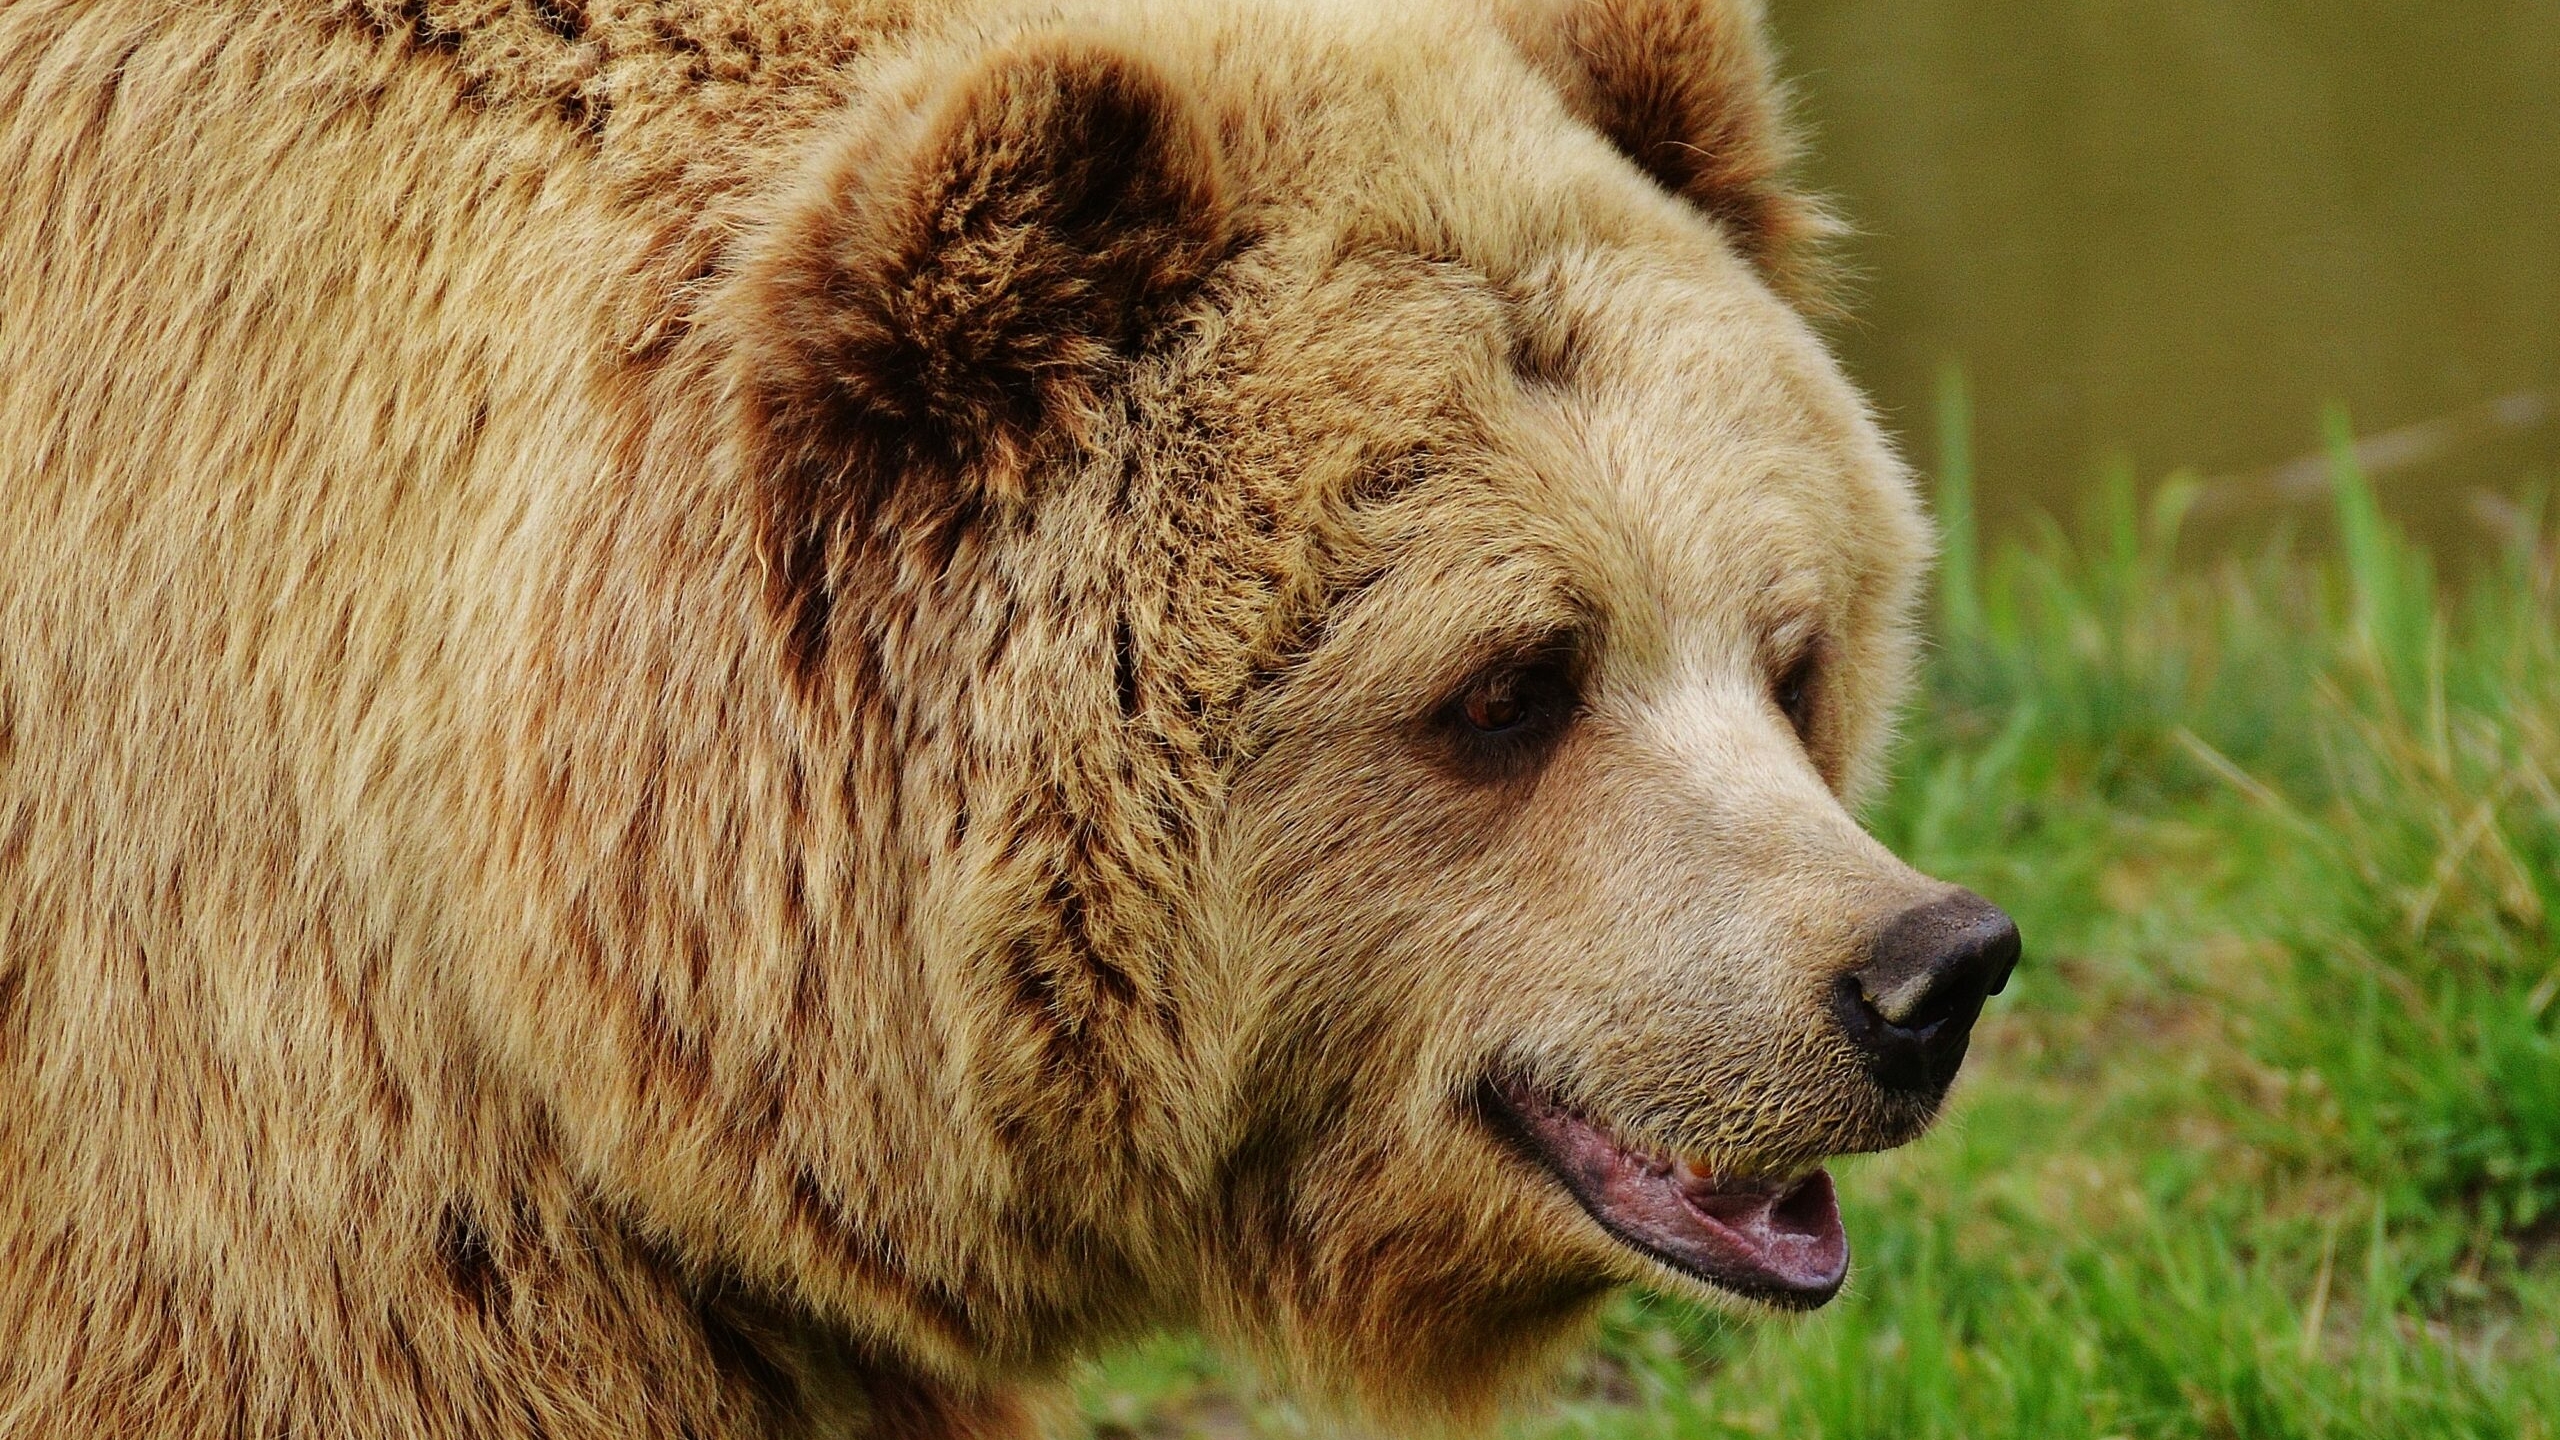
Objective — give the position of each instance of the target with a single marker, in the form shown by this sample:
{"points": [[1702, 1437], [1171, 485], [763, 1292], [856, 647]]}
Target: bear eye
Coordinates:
{"points": [[1794, 691], [1509, 714], [1494, 708]]}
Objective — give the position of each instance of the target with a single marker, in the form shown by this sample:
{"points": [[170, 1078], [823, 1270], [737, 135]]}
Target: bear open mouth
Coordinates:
{"points": [[1775, 1240]]}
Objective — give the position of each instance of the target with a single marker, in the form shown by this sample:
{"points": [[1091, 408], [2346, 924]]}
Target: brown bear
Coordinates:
{"points": [[737, 718]]}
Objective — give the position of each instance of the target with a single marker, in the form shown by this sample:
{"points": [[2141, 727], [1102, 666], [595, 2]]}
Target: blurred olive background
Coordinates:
{"points": [[2169, 233]]}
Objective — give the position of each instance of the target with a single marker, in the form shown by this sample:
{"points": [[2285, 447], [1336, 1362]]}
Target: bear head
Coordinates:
{"points": [[1355, 611]]}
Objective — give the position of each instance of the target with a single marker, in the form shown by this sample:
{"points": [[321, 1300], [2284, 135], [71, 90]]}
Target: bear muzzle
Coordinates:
{"points": [[1770, 1230]]}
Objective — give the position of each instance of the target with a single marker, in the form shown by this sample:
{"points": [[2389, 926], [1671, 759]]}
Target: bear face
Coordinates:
{"points": [[1551, 819], [1541, 849], [1466, 597]]}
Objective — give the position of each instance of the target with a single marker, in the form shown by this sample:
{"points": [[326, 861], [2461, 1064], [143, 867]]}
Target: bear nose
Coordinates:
{"points": [[1911, 1008]]}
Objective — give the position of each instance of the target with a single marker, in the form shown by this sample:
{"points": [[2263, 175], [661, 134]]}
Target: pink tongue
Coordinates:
{"points": [[1785, 1246], [1792, 1239]]}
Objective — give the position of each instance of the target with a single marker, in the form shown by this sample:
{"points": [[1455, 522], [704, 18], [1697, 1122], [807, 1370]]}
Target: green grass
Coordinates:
{"points": [[2266, 1139]]}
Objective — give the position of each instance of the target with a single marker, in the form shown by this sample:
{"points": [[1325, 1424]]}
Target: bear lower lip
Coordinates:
{"points": [[1777, 1242]]}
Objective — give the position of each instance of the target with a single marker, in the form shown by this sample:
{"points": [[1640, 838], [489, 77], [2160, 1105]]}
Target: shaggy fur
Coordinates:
{"points": [[728, 718]]}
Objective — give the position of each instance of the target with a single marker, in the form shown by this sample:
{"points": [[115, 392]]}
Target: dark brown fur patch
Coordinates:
{"points": [[902, 1404], [822, 1218], [565, 19], [562, 58], [469, 1262], [13, 1019], [743, 1360], [414, 21]]}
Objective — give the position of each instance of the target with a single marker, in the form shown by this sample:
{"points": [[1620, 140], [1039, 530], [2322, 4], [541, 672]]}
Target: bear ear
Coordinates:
{"points": [[953, 283], [1687, 90]]}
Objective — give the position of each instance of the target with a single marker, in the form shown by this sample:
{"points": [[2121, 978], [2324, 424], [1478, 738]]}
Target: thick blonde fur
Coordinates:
{"points": [[717, 719]]}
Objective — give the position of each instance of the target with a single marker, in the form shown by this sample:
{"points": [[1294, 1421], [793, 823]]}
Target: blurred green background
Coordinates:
{"points": [[2228, 338]]}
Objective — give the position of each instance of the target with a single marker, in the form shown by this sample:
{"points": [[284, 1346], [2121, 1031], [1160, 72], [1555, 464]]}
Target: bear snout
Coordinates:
{"points": [[1910, 1009]]}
